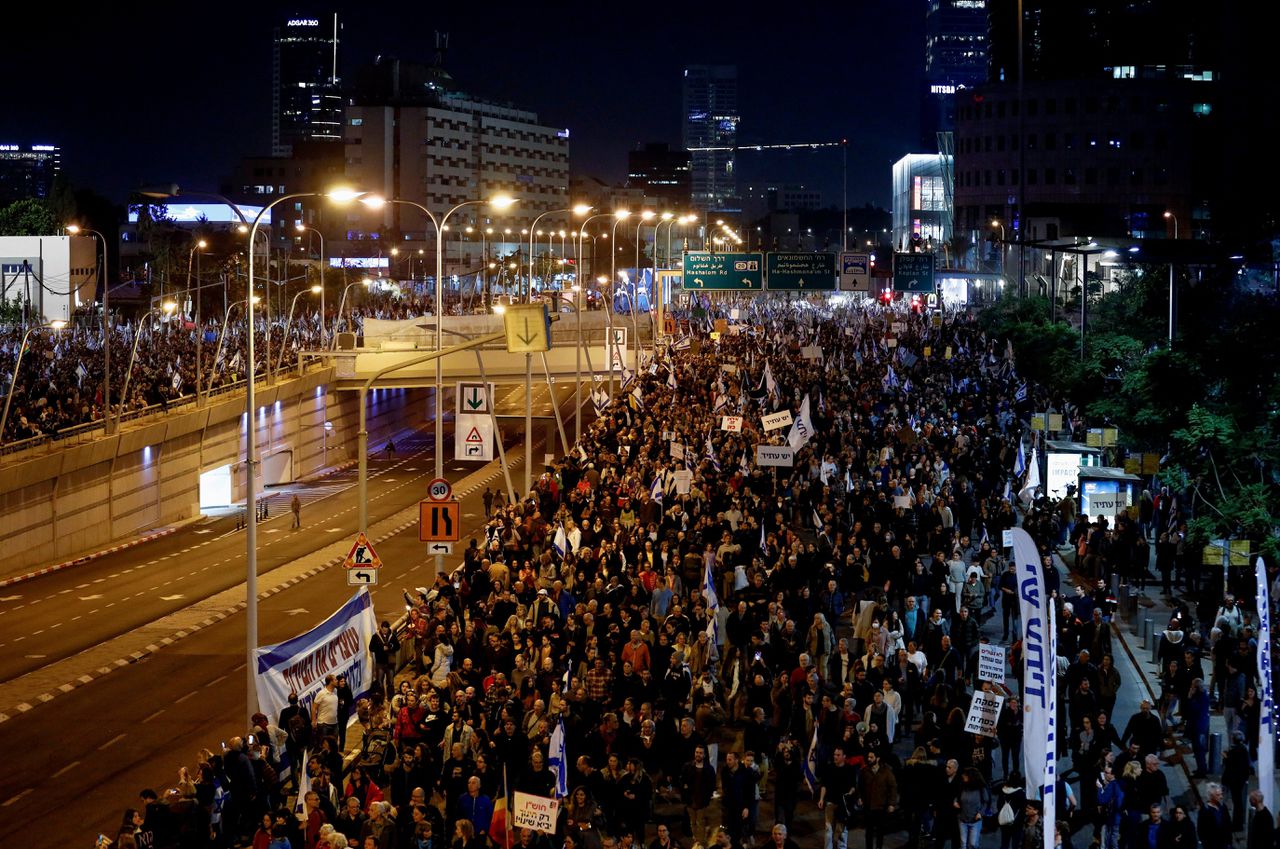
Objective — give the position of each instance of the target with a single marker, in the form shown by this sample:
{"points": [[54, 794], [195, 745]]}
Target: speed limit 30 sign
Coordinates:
{"points": [[439, 490]]}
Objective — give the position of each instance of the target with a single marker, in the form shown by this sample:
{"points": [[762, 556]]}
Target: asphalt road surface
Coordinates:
{"points": [[90, 751]]}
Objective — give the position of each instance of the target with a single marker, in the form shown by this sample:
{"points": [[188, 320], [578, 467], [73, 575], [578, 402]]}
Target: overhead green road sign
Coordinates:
{"points": [[801, 272], [913, 273], [723, 272]]}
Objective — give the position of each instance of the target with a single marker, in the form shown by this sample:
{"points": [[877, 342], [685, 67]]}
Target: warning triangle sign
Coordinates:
{"points": [[362, 555], [474, 436]]}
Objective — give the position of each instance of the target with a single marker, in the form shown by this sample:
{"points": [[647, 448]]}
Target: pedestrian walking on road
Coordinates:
{"points": [[488, 502], [296, 506]]}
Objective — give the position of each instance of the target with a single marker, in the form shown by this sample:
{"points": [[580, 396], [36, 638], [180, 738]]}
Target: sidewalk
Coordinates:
{"points": [[1135, 662]]}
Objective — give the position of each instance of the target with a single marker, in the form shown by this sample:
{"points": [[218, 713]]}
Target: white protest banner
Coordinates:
{"points": [[903, 501], [1006, 538], [1040, 683], [337, 646], [984, 712], [776, 421], [535, 812], [677, 451], [991, 663], [729, 368], [684, 480], [733, 424], [775, 455], [668, 435], [811, 352]]}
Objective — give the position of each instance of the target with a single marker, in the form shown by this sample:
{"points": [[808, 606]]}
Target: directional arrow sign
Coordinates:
{"points": [[801, 271], [440, 548], [362, 577], [472, 398], [742, 272], [528, 328]]}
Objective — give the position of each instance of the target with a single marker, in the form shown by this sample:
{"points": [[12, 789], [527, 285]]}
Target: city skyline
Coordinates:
{"points": [[201, 118]]}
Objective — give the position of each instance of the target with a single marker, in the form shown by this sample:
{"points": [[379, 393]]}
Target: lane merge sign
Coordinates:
{"points": [[439, 521]]}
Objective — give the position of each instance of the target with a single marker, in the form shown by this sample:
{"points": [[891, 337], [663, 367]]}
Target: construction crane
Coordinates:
{"points": [[844, 164]]}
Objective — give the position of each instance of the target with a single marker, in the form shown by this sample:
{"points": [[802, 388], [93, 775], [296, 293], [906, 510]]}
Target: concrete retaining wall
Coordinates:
{"points": [[58, 503]]}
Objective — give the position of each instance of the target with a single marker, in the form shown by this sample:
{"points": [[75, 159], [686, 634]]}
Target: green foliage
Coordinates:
{"points": [[1211, 405], [29, 217]]}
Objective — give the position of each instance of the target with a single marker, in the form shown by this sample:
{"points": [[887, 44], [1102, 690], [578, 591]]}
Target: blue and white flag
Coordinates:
{"points": [[655, 491], [801, 428], [304, 782], [764, 543], [671, 380], [1032, 483], [682, 344], [1020, 463], [711, 454], [558, 760], [769, 382], [1021, 394], [1040, 681], [709, 592], [560, 542], [811, 763], [81, 373], [1266, 717], [627, 377]]}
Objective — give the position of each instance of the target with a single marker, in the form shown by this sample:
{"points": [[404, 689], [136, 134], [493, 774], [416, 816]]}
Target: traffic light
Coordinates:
{"points": [[886, 296], [915, 303]]}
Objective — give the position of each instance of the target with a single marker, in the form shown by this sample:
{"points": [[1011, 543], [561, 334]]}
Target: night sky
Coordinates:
{"points": [[177, 93]]}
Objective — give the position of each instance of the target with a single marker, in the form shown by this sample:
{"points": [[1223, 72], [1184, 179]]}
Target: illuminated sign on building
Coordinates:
{"points": [[303, 22], [212, 213], [358, 262]]}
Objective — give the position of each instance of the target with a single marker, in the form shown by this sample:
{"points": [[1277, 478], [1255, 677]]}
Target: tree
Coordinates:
{"points": [[29, 217]]}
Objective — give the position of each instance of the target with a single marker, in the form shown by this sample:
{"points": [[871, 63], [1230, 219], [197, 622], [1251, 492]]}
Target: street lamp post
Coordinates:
{"points": [[57, 324], [168, 308], [618, 217], [364, 281], [498, 202], [997, 223], [1172, 288], [323, 263], [635, 284], [106, 325], [199, 246], [315, 290], [222, 335], [251, 448]]}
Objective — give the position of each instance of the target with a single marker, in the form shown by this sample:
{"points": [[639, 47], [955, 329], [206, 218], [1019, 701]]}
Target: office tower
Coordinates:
{"points": [[955, 59], [28, 170], [711, 121], [306, 97]]}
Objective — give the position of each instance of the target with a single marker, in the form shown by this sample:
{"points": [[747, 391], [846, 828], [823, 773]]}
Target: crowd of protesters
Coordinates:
{"points": [[705, 631]]}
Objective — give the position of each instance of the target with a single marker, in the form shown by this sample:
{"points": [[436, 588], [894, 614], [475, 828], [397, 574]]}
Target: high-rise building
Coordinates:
{"points": [[955, 59], [410, 134], [1114, 124], [662, 173], [28, 170], [306, 98], [711, 121]]}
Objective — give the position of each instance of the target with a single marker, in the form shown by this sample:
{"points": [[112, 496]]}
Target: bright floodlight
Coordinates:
{"points": [[243, 228], [374, 201], [168, 306], [316, 289], [202, 244], [667, 216], [622, 214], [300, 227], [501, 201], [499, 308], [582, 208], [257, 299], [73, 229], [344, 195], [646, 215], [1168, 214], [57, 324]]}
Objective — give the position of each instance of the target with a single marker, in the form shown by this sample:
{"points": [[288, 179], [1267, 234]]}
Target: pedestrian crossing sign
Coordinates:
{"points": [[362, 555]]}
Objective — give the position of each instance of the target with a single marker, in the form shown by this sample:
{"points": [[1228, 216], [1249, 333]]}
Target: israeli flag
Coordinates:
{"points": [[560, 542], [711, 454], [671, 380], [81, 373], [558, 760], [655, 491], [709, 591], [811, 764], [1021, 394], [764, 543], [304, 782], [1020, 464], [627, 377]]}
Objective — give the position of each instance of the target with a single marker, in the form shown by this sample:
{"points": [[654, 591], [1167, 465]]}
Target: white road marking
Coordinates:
{"points": [[217, 680], [111, 742], [65, 769], [90, 597], [154, 715], [15, 798], [171, 597], [182, 699]]}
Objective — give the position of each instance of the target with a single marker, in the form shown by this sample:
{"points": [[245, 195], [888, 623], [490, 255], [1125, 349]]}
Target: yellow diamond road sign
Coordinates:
{"points": [[528, 328]]}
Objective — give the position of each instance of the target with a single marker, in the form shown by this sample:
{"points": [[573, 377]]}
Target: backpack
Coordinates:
{"points": [[376, 747]]}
